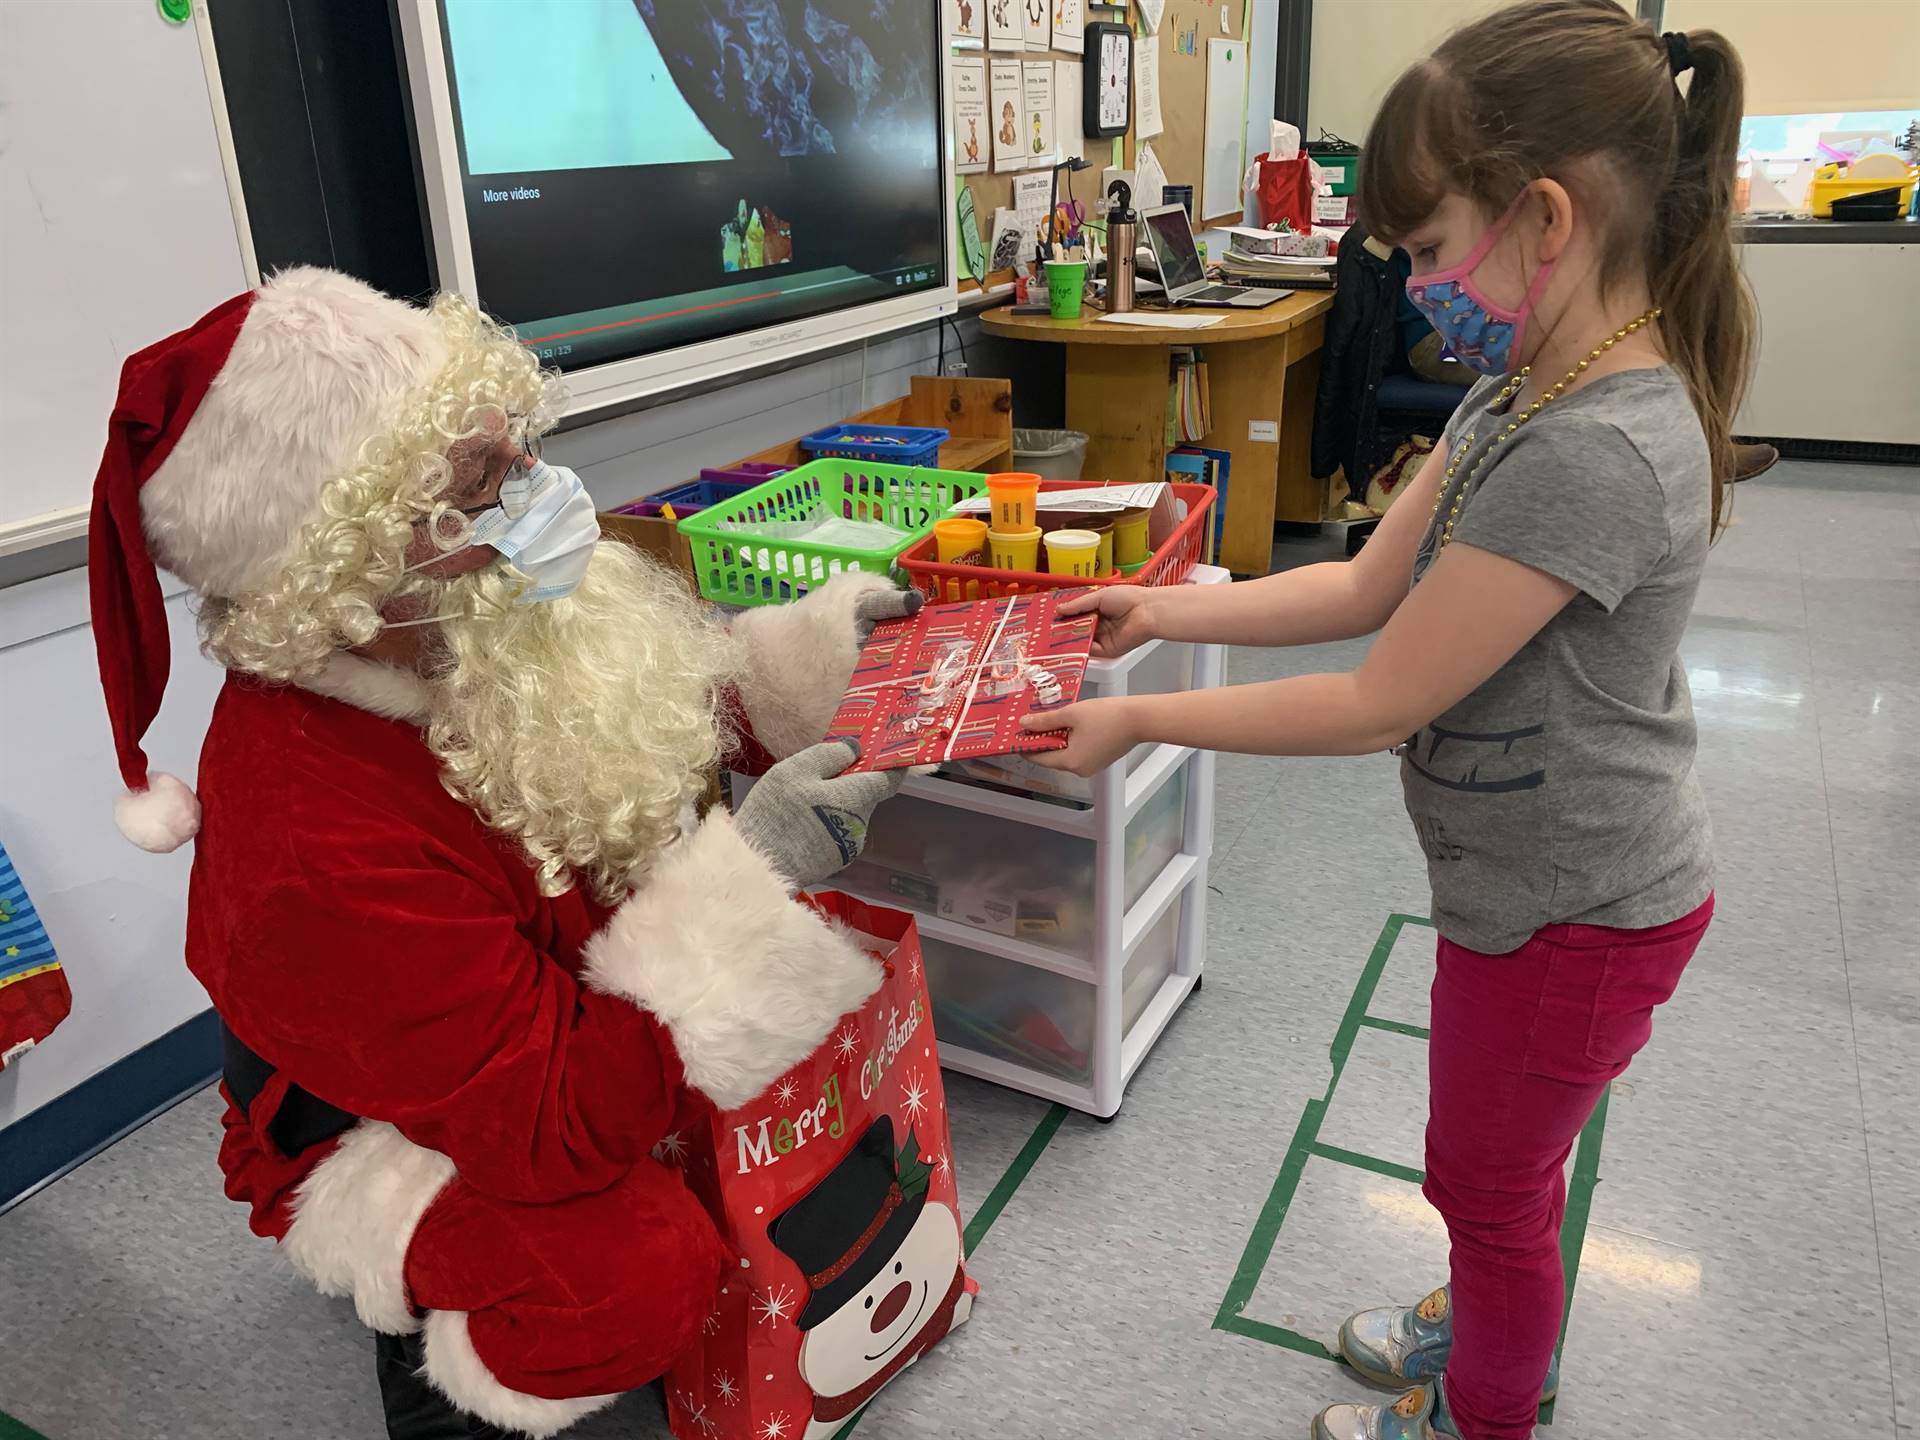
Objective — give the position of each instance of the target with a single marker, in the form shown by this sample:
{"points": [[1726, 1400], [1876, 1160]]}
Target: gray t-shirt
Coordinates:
{"points": [[1562, 790]]}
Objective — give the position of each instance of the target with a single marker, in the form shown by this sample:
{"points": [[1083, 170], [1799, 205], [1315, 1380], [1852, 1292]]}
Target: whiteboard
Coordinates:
{"points": [[1223, 155], [115, 230]]}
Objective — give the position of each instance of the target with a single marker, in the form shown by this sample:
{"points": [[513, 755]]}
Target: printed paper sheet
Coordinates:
{"points": [[1147, 122], [1007, 96], [972, 130], [1036, 129]]}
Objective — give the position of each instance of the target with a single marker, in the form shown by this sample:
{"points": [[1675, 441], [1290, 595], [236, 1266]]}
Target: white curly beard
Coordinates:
{"points": [[584, 727]]}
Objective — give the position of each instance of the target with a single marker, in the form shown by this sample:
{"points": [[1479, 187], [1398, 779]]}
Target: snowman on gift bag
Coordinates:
{"points": [[883, 1266]]}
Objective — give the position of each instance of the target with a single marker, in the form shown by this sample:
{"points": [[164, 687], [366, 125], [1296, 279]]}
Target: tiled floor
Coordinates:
{"points": [[1755, 1231]]}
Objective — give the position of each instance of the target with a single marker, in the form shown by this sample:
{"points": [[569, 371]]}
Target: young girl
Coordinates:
{"points": [[1562, 178]]}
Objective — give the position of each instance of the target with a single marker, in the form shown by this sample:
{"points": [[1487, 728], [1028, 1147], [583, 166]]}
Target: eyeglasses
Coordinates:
{"points": [[517, 490]]}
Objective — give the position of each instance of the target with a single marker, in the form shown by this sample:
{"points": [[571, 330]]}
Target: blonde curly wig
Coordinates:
{"points": [[584, 727], [350, 561]]}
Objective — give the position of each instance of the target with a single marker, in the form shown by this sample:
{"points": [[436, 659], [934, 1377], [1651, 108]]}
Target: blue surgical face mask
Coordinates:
{"points": [[543, 525]]}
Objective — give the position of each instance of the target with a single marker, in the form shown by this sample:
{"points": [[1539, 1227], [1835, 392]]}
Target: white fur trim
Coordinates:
{"points": [[370, 685], [747, 980], [321, 363], [458, 1372], [160, 818], [795, 660], [355, 1214]]}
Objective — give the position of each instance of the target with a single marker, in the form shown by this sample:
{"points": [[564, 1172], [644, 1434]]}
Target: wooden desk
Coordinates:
{"points": [[1262, 368]]}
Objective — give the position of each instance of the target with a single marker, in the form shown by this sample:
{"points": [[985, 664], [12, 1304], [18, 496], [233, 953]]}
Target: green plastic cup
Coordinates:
{"points": [[1066, 284]]}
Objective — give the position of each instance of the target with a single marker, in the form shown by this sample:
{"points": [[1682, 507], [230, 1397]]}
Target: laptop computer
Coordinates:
{"points": [[1170, 237]]}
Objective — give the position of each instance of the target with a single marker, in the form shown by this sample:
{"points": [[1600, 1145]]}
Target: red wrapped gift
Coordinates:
{"points": [[953, 682], [836, 1190]]}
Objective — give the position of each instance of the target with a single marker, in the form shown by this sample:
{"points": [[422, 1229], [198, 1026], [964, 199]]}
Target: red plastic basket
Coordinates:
{"points": [[1171, 564]]}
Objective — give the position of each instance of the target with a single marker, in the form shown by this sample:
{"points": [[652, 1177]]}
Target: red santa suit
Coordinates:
{"points": [[448, 1082]]}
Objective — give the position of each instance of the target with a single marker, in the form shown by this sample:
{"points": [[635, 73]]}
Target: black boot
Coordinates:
{"points": [[415, 1410]]}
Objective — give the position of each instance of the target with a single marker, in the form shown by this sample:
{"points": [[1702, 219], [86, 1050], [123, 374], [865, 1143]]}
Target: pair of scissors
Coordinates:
{"points": [[1069, 217]]}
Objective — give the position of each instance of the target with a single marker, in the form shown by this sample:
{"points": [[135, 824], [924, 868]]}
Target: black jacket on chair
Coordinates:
{"points": [[1360, 348]]}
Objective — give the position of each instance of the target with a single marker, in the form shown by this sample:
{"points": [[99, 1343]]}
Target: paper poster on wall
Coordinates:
{"points": [[1149, 178], [1030, 196], [1224, 150], [1067, 113], [966, 23], [1039, 23], [972, 130], [1036, 119], [1008, 249], [1069, 24], [1146, 91], [1006, 24], [1151, 13], [1006, 94], [969, 250]]}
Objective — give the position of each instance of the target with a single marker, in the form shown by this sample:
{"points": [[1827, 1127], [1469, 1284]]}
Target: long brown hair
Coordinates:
{"points": [[1535, 88]]}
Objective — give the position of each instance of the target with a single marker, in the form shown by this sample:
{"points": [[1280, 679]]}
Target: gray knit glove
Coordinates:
{"points": [[877, 605], [808, 819]]}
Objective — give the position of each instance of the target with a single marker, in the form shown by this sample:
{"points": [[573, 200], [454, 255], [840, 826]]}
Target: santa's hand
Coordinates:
{"points": [[878, 605], [794, 660], [1099, 732], [808, 818]]}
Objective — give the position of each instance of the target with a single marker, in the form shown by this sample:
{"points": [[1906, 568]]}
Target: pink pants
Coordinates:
{"points": [[1523, 1046]]}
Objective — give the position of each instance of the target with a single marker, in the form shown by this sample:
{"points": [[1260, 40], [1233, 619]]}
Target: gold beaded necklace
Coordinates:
{"points": [[1511, 389]]}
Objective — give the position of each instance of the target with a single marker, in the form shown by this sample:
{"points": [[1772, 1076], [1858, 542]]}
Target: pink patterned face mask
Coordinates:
{"points": [[1482, 335]]}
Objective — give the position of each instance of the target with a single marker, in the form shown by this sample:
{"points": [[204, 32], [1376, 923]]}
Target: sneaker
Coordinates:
{"points": [[1406, 1344], [1420, 1414]]}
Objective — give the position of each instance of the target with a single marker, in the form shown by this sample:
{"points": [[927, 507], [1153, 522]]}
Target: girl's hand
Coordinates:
{"points": [[1099, 732], [1124, 618]]}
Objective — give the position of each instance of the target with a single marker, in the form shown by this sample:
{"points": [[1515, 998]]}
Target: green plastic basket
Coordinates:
{"points": [[734, 566]]}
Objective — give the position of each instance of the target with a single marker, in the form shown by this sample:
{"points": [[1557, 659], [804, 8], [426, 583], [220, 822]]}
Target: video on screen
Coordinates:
{"points": [[644, 174]]}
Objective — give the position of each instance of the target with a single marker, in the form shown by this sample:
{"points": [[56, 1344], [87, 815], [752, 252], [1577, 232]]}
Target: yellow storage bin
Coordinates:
{"points": [[1833, 182]]}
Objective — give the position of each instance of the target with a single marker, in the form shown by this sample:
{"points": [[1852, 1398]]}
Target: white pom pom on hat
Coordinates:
{"points": [[161, 818]]}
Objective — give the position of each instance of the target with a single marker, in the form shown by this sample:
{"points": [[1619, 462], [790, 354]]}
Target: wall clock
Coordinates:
{"points": [[1109, 84]]}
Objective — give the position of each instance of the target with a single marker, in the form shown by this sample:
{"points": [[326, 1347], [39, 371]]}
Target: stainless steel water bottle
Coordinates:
{"points": [[1121, 223]]}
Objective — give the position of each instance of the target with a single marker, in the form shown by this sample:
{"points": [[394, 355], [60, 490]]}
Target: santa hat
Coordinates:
{"points": [[221, 441]]}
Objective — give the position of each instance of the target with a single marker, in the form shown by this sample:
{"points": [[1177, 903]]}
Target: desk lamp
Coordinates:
{"points": [[1053, 203]]}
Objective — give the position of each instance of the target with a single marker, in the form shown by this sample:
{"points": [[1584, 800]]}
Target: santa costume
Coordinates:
{"points": [[446, 1064]]}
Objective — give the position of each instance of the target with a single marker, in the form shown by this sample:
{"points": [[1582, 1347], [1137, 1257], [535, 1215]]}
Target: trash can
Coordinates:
{"points": [[1050, 454]]}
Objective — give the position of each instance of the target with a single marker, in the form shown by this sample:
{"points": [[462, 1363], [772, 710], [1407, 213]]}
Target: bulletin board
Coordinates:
{"points": [[993, 190], [1181, 144]]}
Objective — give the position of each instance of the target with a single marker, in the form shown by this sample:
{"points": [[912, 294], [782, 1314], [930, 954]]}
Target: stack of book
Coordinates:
{"points": [[1197, 465], [1189, 402], [1287, 272]]}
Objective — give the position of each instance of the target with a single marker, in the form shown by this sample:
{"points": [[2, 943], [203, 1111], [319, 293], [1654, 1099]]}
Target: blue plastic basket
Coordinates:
{"points": [[888, 444]]}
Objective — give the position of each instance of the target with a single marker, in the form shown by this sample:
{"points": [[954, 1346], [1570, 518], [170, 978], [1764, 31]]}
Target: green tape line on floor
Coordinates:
{"points": [[996, 1201], [1573, 1225], [1307, 1144], [1266, 1228], [989, 1211], [12, 1429]]}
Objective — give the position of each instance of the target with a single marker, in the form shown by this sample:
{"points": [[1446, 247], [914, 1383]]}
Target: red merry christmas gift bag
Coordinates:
{"points": [[835, 1188], [1286, 191]]}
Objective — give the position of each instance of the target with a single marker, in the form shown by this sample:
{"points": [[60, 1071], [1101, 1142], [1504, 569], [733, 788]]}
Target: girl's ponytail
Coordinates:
{"points": [[1708, 323]]}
